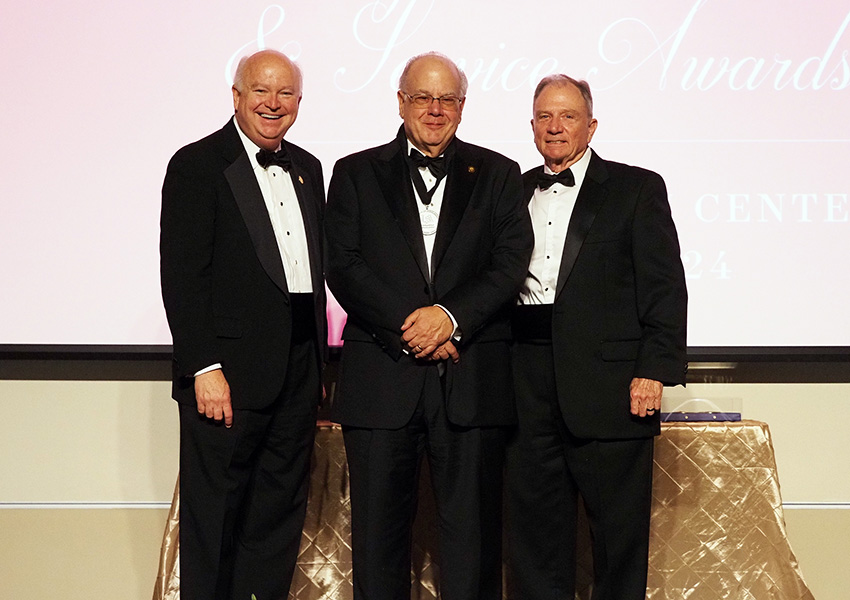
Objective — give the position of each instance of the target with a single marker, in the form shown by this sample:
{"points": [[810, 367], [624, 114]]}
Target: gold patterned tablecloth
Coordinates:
{"points": [[718, 530], [717, 525]]}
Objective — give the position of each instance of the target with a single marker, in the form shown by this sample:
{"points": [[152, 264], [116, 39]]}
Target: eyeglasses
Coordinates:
{"points": [[425, 100]]}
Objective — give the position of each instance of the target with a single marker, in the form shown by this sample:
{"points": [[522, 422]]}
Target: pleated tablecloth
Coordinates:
{"points": [[717, 531]]}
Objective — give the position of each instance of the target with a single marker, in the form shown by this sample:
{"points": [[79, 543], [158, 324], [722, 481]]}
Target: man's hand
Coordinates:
{"points": [[425, 329], [645, 396], [212, 393], [446, 351]]}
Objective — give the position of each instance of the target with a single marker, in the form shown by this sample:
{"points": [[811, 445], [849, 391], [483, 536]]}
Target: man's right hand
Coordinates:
{"points": [[212, 393]]}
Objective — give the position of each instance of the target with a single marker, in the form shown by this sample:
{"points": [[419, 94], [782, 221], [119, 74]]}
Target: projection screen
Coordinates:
{"points": [[741, 106]]}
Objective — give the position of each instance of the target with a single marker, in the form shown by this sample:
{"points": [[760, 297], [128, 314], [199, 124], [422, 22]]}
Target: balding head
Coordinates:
{"points": [[430, 101], [266, 96]]}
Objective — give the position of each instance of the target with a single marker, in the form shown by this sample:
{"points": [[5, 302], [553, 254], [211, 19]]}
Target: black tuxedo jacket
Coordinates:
{"points": [[621, 302], [377, 269], [223, 282]]}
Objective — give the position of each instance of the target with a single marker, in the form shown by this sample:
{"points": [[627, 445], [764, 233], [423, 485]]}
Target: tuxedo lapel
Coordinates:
{"points": [[249, 199], [590, 198], [394, 180], [460, 181]]}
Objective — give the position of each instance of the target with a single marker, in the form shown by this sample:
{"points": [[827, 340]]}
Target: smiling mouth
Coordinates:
{"points": [[271, 117]]}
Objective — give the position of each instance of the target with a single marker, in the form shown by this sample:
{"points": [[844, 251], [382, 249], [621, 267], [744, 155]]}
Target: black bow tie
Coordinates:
{"points": [[545, 181], [266, 158], [437, 166]]}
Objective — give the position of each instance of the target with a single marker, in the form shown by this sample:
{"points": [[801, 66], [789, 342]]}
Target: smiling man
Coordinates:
{"points": [[600, 328], [242, 285], [428, 241]]}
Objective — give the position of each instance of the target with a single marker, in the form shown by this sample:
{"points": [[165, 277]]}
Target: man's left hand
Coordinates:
{"points": [[645, 396], [425, 329]]}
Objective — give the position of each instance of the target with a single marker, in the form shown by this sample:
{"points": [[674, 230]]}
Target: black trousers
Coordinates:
{"points": [[466, 473], [243, 491], [547, 469]]}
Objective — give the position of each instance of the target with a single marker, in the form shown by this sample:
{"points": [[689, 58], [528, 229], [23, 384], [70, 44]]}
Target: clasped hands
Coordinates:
{"points": [[427, 332]]}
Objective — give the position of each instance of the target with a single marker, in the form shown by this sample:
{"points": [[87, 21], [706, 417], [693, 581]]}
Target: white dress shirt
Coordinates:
{"points": [[429, 216], [550, 210], [287, 221]]}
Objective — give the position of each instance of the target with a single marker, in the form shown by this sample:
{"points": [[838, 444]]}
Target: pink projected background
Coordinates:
{"points": [[741, 106]]}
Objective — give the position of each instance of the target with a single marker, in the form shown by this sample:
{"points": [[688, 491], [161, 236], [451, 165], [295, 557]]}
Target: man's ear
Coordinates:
{"points": [[236, 95]]}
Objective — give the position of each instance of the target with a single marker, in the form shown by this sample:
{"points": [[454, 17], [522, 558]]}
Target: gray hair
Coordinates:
{"points": [[464, 83], [239, 76], [562, 80]]}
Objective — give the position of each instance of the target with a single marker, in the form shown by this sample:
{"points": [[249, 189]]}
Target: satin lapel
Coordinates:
{"points": [[394, 180], [460, 182], [249, 198], [590, 198], [310, 216], [529, 182]]}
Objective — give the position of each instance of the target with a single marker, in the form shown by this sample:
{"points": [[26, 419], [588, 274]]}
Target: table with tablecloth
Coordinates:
{"points": [[717, 530]]}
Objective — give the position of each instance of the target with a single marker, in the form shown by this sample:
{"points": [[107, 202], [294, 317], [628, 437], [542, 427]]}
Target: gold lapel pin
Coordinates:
{"points": [[301, 179], [471, 169]]}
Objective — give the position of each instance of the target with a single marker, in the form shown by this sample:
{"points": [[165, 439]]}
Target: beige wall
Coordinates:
{"points": [[84, 441], [86, 469]]}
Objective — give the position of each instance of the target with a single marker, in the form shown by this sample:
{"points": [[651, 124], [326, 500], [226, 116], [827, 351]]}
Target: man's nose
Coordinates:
{"points": [[435, 108], [273, 102]]}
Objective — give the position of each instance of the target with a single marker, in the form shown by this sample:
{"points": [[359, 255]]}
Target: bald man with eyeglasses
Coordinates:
{"points": [[428, 241]]}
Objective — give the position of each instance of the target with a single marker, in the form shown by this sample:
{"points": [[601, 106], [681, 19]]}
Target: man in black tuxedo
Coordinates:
{"points": [[600, 328], [242, 284], [428, 241]]}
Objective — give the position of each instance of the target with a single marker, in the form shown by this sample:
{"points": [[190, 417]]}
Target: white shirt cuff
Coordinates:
{"points": [[208, 369]]}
